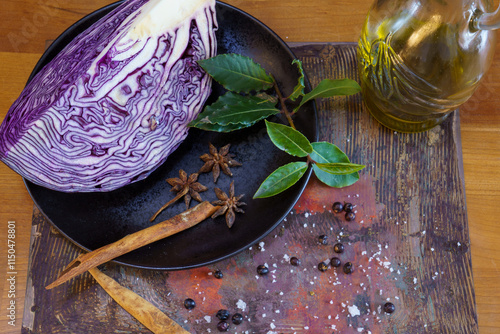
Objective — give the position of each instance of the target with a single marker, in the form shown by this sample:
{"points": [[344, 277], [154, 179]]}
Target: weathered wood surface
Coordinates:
{"points": [[409, 244]]}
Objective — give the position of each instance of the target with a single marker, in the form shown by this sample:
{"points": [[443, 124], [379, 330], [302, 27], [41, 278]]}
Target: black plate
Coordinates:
{"points": [[92, 220]]}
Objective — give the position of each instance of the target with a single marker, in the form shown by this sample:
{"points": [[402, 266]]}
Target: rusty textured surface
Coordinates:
{"points": [[409, 245]]}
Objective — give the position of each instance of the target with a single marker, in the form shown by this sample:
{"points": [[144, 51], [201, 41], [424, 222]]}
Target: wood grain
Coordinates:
{"points": [[30, 23]]}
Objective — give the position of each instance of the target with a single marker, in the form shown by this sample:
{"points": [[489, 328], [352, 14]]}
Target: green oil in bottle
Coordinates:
{"points": [[415, 72]]}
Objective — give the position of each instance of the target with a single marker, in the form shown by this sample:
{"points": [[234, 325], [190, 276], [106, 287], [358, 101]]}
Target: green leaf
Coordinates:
{"points": [[233, 112], [340, 168], [281, 179], [299, 88], [237, 73], [328, 88], [324, 153], [288, 139]]}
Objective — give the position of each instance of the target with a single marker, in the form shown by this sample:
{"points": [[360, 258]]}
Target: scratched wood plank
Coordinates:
{"points": [[409, 245]]}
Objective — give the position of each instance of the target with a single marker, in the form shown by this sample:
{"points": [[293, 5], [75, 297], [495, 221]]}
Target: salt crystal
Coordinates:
{"points": [[414, 280], [240, 304], [363, 253], [360, 329], [261, 244], [353, 310], [208, 318], [273, 326], [286, 257]]}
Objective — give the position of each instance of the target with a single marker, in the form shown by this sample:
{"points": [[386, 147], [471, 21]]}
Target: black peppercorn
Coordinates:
{"points": [[322, 266], [294, 261], [262, 270], [237, 319], [350, 216], [337, 207], [218, 274], [223, 326], [389, 307], [338, 248], [335, 262], [348, 269], [348, 207], [323, 239], [189, 304], [223, 314]]}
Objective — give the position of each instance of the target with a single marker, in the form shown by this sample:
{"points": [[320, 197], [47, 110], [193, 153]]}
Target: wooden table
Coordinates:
{"points": [[26, 25]]}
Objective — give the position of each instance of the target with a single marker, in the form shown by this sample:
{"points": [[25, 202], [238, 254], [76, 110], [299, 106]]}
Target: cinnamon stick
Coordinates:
{"points": [[145, 312], [176, 224]]}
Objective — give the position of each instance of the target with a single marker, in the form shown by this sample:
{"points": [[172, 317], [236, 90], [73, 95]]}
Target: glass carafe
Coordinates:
{"points": [[420, 59]]}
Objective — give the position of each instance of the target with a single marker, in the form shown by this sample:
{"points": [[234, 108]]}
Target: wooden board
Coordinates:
{"points": [[409, 245]]}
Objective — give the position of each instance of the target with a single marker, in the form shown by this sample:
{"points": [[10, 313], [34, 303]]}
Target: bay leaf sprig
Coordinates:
{"points": [[253, 95], [330, 164]]}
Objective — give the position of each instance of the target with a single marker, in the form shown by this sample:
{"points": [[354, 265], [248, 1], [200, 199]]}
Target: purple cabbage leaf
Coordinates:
{"points": [[115, 102]]}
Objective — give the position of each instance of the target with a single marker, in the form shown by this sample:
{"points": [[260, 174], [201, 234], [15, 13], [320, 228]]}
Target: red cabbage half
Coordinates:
{"points": [[116, 101]]}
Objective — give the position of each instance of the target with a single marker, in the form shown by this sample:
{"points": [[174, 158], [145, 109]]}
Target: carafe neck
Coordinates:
{"points": [[487, 21]]}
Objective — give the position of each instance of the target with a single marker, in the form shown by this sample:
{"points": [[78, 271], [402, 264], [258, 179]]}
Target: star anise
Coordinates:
{"points": [[229, 204], [217, 161], [184, 186]]}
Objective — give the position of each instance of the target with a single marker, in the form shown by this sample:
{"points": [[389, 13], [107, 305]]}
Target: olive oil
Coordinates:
{"points": [[414, 72]]}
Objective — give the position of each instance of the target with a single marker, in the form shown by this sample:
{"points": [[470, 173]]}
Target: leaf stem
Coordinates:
{"points": [[310, 160], [284, 109]]}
